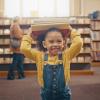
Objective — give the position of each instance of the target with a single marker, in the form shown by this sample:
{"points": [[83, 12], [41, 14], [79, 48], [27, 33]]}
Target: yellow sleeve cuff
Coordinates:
{"points": [[27, 38], [74, 33]]}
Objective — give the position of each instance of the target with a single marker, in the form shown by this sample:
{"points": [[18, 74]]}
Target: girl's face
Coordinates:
{"points": [[54, 42]]}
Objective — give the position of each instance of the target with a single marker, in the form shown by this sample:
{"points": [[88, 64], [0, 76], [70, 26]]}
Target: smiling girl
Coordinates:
{"points": [[53, 61]]}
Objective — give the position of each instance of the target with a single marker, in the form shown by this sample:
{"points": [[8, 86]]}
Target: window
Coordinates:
{"points": [[37, 8], [12, 8]]}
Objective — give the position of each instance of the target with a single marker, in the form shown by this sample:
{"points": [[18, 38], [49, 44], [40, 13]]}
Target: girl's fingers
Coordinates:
{"points": [[29, 31], [69, 27]]}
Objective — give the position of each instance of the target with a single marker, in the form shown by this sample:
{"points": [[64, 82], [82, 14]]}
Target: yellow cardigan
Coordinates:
{"points": [[37, 56]]}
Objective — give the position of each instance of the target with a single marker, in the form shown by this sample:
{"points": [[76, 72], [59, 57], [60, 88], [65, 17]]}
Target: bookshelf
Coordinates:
{"points": [[95, 26], [81, 63], [5, 53], [83, 60]]}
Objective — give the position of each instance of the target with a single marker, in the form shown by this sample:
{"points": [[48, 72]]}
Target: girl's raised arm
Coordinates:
{"points": [[76, 44], [26, 48]]}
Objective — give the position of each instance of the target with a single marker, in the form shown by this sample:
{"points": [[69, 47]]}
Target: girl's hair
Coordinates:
{"points": [[43, 35]]}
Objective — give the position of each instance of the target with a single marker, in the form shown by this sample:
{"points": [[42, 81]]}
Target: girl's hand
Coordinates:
{"points": [[30, 32], [31, 35], [15, 24], [69, 27], [15, 29], [69, 30]]}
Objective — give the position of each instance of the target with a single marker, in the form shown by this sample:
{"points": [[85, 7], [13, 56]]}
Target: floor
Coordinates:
{"points": [[83, 88]]}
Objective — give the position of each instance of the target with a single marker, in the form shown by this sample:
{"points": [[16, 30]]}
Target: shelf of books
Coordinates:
{"points": [[83, 60], [81, 63], [95, 26], [5, 52]]}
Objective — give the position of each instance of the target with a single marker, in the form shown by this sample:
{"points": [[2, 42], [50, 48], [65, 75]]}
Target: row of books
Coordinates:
{"points": [[84, 30], [95, 35], [85, 50], [95, 25], [9, 60], [96, 56], [26, 60], [73, 20], [4, 41], [80, 30], [7, 41], [7, 50], [85, 59], [4, 31], [96, 46], [5, 60], [5, 21], [7, 31], [8, 21], [27, 20], [85, 40]]}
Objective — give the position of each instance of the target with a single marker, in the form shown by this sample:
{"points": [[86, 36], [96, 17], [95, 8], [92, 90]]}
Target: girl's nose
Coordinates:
{"points": [[55, 44]]}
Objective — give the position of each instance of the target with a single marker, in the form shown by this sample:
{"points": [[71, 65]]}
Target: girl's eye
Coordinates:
{"points": [[59, 41], [51, 41]]}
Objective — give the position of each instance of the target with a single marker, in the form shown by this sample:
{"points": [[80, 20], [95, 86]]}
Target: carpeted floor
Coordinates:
{"points": [[83, 88]]}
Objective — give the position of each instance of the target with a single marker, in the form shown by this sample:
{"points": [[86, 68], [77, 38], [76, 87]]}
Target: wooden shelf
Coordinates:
{"points": [[95, 40], [23, 26], [95, 20], [80, 66], [83, 72], [7, 63], [80, 25], [7, 45], [6, 55], [4, 45], [87, 44], [84, 54], [80, 62], [5, 36], [96, 63], [96, 50], [84, 43], [85, 34], [32, 73], [95, 29]]}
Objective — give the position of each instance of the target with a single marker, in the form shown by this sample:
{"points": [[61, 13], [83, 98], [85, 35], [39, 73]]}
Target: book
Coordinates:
{"points": [[40, 28]]}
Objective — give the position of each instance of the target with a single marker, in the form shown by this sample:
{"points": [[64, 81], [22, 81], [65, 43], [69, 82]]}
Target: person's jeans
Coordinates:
{"points": [[18, 60]]}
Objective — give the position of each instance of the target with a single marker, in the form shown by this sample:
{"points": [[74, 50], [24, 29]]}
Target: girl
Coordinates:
{"points": [[53, 62]]}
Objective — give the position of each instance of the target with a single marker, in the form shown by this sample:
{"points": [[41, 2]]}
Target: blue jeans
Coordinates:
{"points": [[18, 60]]}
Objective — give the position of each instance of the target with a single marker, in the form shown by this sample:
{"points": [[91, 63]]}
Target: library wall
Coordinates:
{"points": [[74, 7], [1, 8], [88, 6], [77, 7], [83, 7]]}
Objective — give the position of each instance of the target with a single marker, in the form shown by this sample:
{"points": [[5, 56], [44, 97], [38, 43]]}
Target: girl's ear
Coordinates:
{"points": [[44, 44]]}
